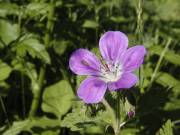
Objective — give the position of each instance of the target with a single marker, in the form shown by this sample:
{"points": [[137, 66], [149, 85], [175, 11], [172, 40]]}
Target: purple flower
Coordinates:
{"points": [[113, 72]]}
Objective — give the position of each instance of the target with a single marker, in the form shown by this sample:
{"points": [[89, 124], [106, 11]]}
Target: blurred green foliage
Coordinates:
{"points": [[37, 89]]}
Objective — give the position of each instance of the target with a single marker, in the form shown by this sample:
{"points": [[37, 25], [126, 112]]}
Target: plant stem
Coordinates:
{"points": [[114, 125], [139, 32], [118, 111], [159, 63], [49, 27], [5, 112], [50, 24], [36, 98], [19, 20]]}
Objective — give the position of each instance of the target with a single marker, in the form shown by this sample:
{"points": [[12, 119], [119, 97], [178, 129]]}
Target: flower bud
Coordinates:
{"points": [[130, 109]]}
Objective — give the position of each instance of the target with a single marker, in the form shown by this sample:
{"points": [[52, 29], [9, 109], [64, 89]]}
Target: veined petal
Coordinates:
{"points": [[112, 45], [126, 81], [84, 62], [92, 90], [134, 57]]}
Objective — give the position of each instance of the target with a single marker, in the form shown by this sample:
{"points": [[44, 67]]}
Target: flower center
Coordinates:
{"points": [[111, 72]]}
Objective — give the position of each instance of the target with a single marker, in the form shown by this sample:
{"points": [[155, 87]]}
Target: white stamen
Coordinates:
{"points": [[113, 74]]}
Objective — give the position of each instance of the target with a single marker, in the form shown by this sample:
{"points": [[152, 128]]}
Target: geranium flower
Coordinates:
{"points": [[114, 71]]}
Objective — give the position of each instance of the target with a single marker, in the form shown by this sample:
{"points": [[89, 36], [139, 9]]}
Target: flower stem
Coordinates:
{"points": [[139, 32], [36, 98], [115, 124], [118, 111], [49, 27]]}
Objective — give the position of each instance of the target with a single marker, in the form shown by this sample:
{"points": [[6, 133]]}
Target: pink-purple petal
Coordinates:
{"points": [[112, 45], [84, 62], [92, 90], [125, 82], [134, 57]]}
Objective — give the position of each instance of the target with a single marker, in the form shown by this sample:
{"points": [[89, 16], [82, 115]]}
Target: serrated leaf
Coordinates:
{"points": [[32, 46], [57, 98], [167, 128], [8, 31], [77, 119]]}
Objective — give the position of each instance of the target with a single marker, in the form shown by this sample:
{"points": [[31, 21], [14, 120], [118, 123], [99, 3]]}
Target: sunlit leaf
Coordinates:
{"points": [[5, 70], [57, 98], [37, 8], [17, 127], [77, 119], [44, 123], [167, 128], [8, 31], [8, 9], [33, 47]]}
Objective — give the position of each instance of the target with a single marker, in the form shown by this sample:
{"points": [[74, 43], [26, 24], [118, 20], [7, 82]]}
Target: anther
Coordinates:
{"points": [[85, 63]]}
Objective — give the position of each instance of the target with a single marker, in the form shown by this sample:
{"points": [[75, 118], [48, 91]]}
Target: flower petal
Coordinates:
{"points": [[112, 44], [126, 81], [84, 62], [134, 58], [92, 90]]}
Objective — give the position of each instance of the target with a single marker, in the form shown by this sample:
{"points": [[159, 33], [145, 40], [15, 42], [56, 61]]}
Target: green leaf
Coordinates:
{"points": [[80, 119], [8, 9], [173, 104], [90, 24], [33, 47], [44, 123], [166, 80], [5, 71], [37, 8], [57, 98], [79, 79], [170, 55], [129, 131], [77, 119], [61, 46], [167, 128], [172, 6], [17, 127], [8, 31]]}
